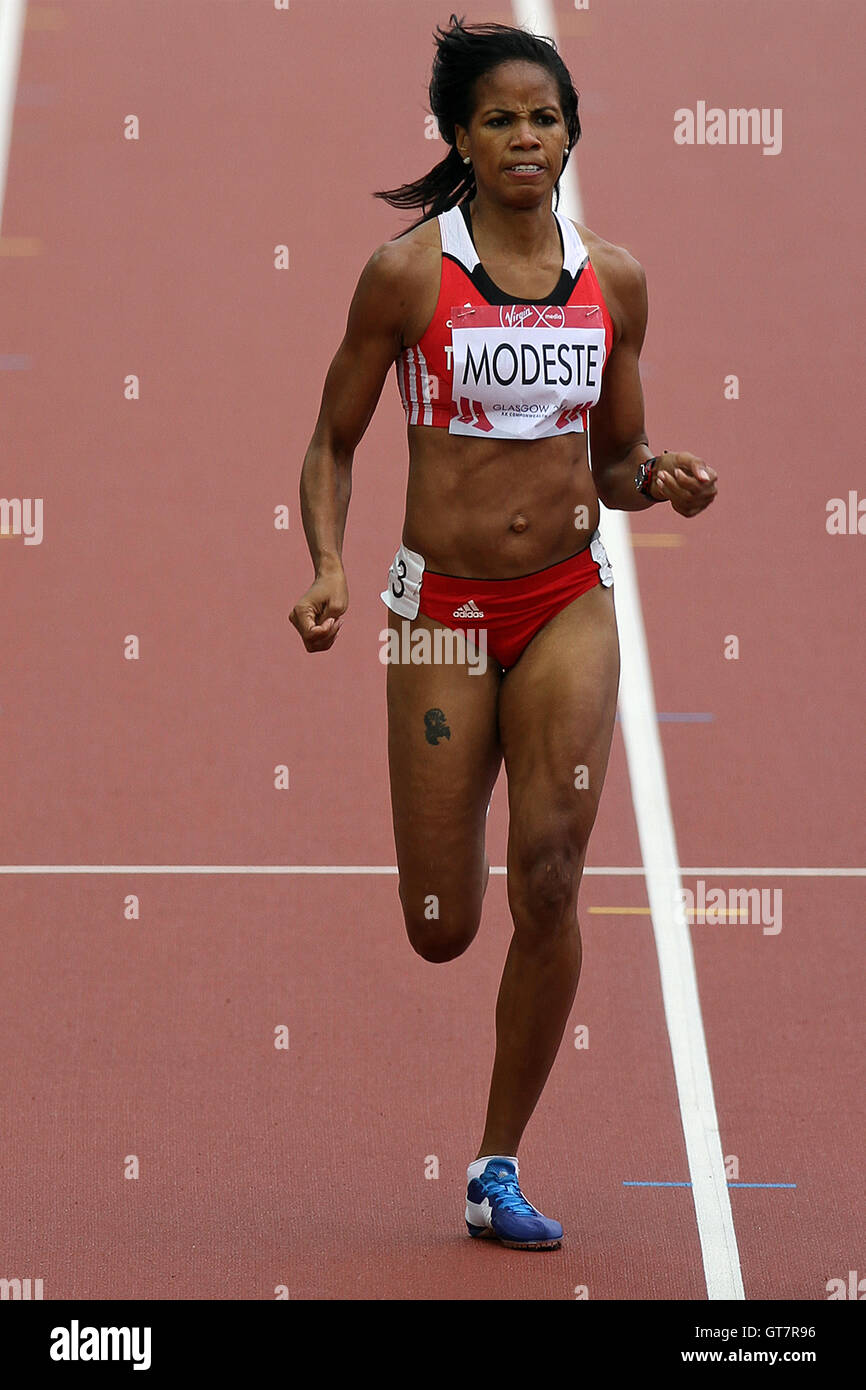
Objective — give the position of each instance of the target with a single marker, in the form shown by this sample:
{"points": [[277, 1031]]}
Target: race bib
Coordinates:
{"points": [[525, 371], [599, 554], [403, 592]]}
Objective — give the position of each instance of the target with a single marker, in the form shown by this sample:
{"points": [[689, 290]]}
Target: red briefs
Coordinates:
{"points": [[499, 615]]}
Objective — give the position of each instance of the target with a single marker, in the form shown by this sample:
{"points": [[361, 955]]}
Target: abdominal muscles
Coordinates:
{"points": [[496, 509]]}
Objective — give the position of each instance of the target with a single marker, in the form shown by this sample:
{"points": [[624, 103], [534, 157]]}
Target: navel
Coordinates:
{"points": [[519, 524]]}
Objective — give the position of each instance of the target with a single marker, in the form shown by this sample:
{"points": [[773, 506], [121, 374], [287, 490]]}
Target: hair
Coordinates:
{"points": [[464, 53]]}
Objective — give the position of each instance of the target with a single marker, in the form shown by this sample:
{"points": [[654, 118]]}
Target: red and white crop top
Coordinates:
{"points": [[495, 367]]}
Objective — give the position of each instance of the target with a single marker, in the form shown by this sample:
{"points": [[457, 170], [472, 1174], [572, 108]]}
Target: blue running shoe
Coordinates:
{"points": [[495, 1206]]}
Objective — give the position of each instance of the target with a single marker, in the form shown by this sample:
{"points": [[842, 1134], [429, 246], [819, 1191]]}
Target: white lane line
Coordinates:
{"points": [[685, 1026], [325, 869], [673, 941], [773, 873], [12, 14]]}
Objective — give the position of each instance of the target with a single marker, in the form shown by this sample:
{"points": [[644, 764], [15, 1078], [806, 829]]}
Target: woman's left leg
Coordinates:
{"points": [[557, 707]]}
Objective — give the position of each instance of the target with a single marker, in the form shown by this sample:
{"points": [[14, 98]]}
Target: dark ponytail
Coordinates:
{"points": [[463, 54]]}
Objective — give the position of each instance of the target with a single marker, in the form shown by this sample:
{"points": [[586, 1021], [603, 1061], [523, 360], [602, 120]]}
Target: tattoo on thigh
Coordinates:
{"points": [[435, 726]]}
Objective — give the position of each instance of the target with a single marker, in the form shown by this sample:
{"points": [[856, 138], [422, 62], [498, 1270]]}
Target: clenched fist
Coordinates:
{"points": [[685, 481], [318, 616]]}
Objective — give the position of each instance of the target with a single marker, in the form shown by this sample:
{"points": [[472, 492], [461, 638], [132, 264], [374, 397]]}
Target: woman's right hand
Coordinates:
{"points": [[318, 616]]}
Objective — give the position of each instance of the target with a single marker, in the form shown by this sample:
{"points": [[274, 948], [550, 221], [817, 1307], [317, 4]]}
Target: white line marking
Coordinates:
{"points": [[325, 869], [12, 13], [721, 1257], [773, 873]]}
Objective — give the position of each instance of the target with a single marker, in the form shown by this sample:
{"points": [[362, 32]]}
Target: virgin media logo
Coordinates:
{"points": [[532, 316]]}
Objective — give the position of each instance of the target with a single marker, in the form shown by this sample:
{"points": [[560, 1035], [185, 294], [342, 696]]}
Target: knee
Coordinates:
{"points": [[439, 935], [440, 948], [551, 884], [543, 891]]}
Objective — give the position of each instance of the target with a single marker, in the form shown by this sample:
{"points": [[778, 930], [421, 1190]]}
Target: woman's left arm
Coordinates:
{"points": [[618, 440]]}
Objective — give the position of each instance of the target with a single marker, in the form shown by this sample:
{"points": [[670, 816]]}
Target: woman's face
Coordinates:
{"points": [[517, 136]]}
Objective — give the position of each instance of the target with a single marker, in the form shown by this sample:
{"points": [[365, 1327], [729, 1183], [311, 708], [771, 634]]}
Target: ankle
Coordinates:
{"points": [[497, 1151], [478, 1165]]}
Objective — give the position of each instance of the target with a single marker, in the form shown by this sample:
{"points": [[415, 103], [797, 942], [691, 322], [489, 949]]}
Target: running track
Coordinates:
{"points": [[154, 1036]]}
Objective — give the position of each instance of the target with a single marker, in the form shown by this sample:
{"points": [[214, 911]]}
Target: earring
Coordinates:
{"points": [[466, 159]]}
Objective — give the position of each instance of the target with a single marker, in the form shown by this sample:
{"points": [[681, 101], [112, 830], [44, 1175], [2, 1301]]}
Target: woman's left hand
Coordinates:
{"points": [[685, 481]]}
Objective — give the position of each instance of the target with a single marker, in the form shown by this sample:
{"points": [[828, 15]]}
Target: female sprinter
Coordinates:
{"points": [[503, 319]]}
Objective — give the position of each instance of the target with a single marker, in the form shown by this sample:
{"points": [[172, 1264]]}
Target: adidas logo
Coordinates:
{"points": [[469, 609]]}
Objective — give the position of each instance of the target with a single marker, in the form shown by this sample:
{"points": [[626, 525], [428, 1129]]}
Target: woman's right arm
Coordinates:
{"points": [[353, 385]]}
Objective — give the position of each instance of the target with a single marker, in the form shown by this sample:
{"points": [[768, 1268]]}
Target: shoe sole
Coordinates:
{"points": [[514, 1244]]}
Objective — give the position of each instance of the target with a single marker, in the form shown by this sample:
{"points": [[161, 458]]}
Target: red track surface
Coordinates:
{"points": [[154, 1037]]}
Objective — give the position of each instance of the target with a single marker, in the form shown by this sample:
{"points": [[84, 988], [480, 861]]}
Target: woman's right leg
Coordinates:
{"points": [[444, 757]]}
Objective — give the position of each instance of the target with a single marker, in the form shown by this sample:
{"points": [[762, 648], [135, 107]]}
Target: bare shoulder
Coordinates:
{"points": [[399, 284], [622, 268], [620, 274], [404, 263]]}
